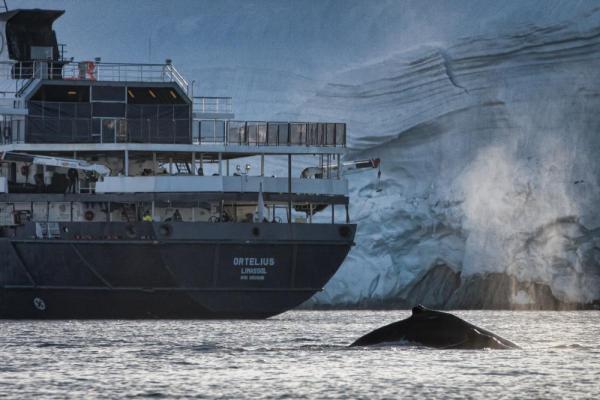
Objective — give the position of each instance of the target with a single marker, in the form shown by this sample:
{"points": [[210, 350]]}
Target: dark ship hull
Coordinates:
{"points": [[173, 270]]}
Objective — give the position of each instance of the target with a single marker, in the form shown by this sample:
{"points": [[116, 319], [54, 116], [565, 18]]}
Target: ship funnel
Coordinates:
{"points": [[27, 35]]}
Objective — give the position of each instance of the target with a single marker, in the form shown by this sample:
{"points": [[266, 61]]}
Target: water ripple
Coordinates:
{"points": [[296, 355]]}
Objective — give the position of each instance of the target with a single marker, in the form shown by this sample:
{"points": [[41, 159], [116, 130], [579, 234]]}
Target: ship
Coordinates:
{"points": [[124, 195]]}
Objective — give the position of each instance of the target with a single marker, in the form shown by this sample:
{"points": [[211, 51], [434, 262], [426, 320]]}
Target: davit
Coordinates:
{"points": [[435, 329]]}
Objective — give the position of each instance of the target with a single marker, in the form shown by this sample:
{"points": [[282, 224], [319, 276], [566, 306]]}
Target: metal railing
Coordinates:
{"points": [[262, 133], [229, 133], [11, 103], [23, 72], [106, 130], [216, 105]]}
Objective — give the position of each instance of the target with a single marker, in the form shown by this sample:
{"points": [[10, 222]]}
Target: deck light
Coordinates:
{"points": [[172, 93], [130, 93], [71, 93], [152, 93]]}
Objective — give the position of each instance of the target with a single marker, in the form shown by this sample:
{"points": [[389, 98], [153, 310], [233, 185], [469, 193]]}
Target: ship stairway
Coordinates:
{"points": [[183, 168], [24, 86], [27, 87]]}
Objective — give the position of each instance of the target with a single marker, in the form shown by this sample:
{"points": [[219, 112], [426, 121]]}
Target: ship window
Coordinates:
{"points": [[41, 53], [207, 131], [82, 133], [109, 127], [134, 111], [182, 131], [108, 110], [181, 112], [236, 133], [297, 133], [165, 112], [84, 110], [134, 131], [67, 110], [35, 108], [108, 93], [272, 138], [330, 135], [96, 127], [150, 112], [340, 134], [50, 109], [211, 130]]}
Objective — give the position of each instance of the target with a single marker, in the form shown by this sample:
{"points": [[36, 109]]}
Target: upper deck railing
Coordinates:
{"points": [[23, 72], [217, 105], [269, 133], [10, 102]]}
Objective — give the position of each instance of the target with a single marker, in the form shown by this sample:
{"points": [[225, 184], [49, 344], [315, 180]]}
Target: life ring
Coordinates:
{"points": [[89, 215], [91, 70], [39, 303], [130, 231]]}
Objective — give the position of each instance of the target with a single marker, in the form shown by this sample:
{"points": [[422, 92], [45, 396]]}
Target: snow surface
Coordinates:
{"points": [[485, 116]]}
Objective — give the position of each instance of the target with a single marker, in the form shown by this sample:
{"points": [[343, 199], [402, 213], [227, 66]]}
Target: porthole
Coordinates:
{"points": [[130, 231]]}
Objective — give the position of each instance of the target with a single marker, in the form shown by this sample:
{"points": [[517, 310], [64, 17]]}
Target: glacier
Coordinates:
{"points": [[490, 167], [484, 114]]}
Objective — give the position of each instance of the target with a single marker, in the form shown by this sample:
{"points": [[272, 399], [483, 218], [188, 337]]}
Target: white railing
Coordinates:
{"points": [[22, 72], [124, 72], [218, 105], [235, 184], [12, 103]]}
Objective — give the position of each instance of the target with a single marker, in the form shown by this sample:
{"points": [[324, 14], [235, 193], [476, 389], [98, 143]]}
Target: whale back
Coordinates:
{"points": [[435, 329]]}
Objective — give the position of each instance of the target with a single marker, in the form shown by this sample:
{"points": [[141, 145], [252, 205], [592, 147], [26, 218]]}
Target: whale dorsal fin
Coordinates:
{"points": [[418, 309]]}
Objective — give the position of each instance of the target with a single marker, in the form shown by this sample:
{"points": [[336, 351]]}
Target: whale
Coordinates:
{"points": [[435, 329]]}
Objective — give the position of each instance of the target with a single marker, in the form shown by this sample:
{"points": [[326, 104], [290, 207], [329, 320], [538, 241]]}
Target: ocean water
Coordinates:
{"points": [[299, 354]]}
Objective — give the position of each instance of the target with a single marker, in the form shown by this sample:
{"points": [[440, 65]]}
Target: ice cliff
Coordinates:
{"points": [[491, 174]]}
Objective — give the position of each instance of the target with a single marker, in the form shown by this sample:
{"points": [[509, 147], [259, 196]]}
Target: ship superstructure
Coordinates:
{"points": [[122, 194]]}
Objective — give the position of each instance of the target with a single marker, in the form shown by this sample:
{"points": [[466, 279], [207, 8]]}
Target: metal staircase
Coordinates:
{"points": [[183, 168]]}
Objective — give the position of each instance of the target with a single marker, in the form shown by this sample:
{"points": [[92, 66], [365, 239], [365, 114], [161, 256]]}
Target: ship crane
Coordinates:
{"points": [[348, 168], [80, 165]]}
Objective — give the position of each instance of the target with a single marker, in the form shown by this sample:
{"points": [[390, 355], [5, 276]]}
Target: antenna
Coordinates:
{"points": [[5, 6]]}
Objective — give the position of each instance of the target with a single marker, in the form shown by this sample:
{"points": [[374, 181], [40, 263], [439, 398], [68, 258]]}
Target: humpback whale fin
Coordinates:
{"points": [[435, 329], [418, 309]]}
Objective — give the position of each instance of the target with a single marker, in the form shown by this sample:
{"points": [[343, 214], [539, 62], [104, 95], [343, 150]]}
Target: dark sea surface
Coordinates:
{"points": [[300, 354]]}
